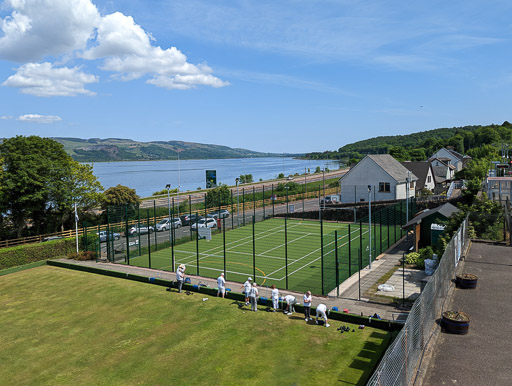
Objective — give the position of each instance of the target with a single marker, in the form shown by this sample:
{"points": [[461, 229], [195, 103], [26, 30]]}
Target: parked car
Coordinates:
{"points": [[204, 223], [141, 229], [223, 213], [188, 219], [330, 200], [51, 238], [104, 236], [165, 224]]}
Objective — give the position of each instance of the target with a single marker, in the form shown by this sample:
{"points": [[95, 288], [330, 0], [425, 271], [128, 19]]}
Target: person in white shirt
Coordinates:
{"points": [[290, 302], [253, 295], [247, 289], [321, 311], [307, 306], [180, 276], [221, 284], [275, 297]]}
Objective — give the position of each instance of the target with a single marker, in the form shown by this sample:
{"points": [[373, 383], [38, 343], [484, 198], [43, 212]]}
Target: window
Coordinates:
{"points": [[384, 187], [429, 179], [412, 185]]}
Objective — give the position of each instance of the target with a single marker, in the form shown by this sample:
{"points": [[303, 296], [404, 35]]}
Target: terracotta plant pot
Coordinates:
{"points": [[466, 281], [455, 322]]}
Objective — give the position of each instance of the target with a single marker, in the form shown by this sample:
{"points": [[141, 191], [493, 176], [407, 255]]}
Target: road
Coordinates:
{"points": [[258, 187]]}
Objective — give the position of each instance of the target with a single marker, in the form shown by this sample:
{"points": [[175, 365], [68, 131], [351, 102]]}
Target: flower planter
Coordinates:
{"points": [[455, 322], [466, 281]]}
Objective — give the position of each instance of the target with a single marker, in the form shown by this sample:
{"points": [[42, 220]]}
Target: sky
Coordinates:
{"points": [[281, 76]]}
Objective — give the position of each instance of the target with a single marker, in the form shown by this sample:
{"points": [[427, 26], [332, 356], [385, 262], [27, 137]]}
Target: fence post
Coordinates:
{"points": [[253, 249], [224, 244], [273, 200], [138, 229], [232, 215], [190, 215], [401, 218], [286, 249], [243, 205], [322, 253], [173, 235], [303, 187], [205, 205], [349, 252], [126, 233], [253, 204], [387, 223], [197, 244], [380, 230], [98, 245], [149, 239], [154, 221], [337, 268], [108, 238], [263, 201], [361, 240]]}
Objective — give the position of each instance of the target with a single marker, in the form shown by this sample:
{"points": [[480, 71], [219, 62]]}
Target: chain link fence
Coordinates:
{"points": [[399, 364], [347, 250]]}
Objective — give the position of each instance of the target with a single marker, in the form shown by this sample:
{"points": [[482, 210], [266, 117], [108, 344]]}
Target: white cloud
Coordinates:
{"points": [[6, 117], [42, 79], [74, 29], [128, 52], [38, 28], [38, 118]]}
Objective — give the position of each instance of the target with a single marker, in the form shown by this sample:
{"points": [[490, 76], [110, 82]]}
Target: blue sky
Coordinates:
{"points": [[273, 76]]}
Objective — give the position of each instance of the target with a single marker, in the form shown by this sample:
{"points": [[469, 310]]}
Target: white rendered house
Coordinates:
{"points": [[386, 176]]}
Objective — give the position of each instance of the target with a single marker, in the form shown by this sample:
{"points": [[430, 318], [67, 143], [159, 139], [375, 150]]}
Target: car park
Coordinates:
{"points": [[165, 224], [222, 213], [107, 236], [188, 219], [140, 230], [204, 223]]}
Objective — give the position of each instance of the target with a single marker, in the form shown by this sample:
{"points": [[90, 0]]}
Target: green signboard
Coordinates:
{"points": [[211, 179]]}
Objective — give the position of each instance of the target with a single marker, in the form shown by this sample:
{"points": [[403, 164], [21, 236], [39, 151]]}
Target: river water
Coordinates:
{"points": [[147, 177]]}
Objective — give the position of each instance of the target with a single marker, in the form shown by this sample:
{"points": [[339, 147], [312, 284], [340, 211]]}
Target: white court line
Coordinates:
{"points": [[309, 263], [237, 243], [320, 257]]}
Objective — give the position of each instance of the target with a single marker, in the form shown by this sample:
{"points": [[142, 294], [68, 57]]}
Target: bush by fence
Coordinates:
{"points": [[25, 254]]}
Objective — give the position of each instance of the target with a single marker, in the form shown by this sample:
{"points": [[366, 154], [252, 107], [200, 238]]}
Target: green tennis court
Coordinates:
{"points": [[287, 253]]}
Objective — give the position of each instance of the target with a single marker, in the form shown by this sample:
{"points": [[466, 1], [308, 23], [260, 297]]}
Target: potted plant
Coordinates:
{"points": [[466, 280], [455, 322]]}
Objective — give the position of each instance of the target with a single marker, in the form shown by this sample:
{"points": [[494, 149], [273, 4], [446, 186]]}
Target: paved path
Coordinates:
{"points": [[482, 357], [348, 291]]}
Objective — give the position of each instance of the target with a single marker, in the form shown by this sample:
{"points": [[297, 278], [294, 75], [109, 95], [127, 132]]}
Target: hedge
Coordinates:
{"points": [[29, 253]]}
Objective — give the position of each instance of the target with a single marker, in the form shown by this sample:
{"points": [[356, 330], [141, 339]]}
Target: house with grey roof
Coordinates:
{"points": [[422, 170], [385, 175], [459, 161]]}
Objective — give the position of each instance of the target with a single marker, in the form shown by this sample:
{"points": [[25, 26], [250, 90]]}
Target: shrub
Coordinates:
{"points": [[426, 253], [414, 258], [25, 254]]}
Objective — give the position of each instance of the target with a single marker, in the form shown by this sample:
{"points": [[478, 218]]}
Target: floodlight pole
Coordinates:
{"points": [[168, 187], [237, 204], [370, 223]]}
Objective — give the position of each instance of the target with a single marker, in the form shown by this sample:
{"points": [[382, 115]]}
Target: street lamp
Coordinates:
{"points": [[168, 187], [370, 222], [237, 204]]}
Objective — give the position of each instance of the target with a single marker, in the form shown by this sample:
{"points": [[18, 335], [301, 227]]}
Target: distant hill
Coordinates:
{"points": [[117, 149], [417, 146]]}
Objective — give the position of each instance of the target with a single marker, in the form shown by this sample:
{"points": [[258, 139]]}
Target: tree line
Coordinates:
{"points": [[40, 185], [475, 141]]}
